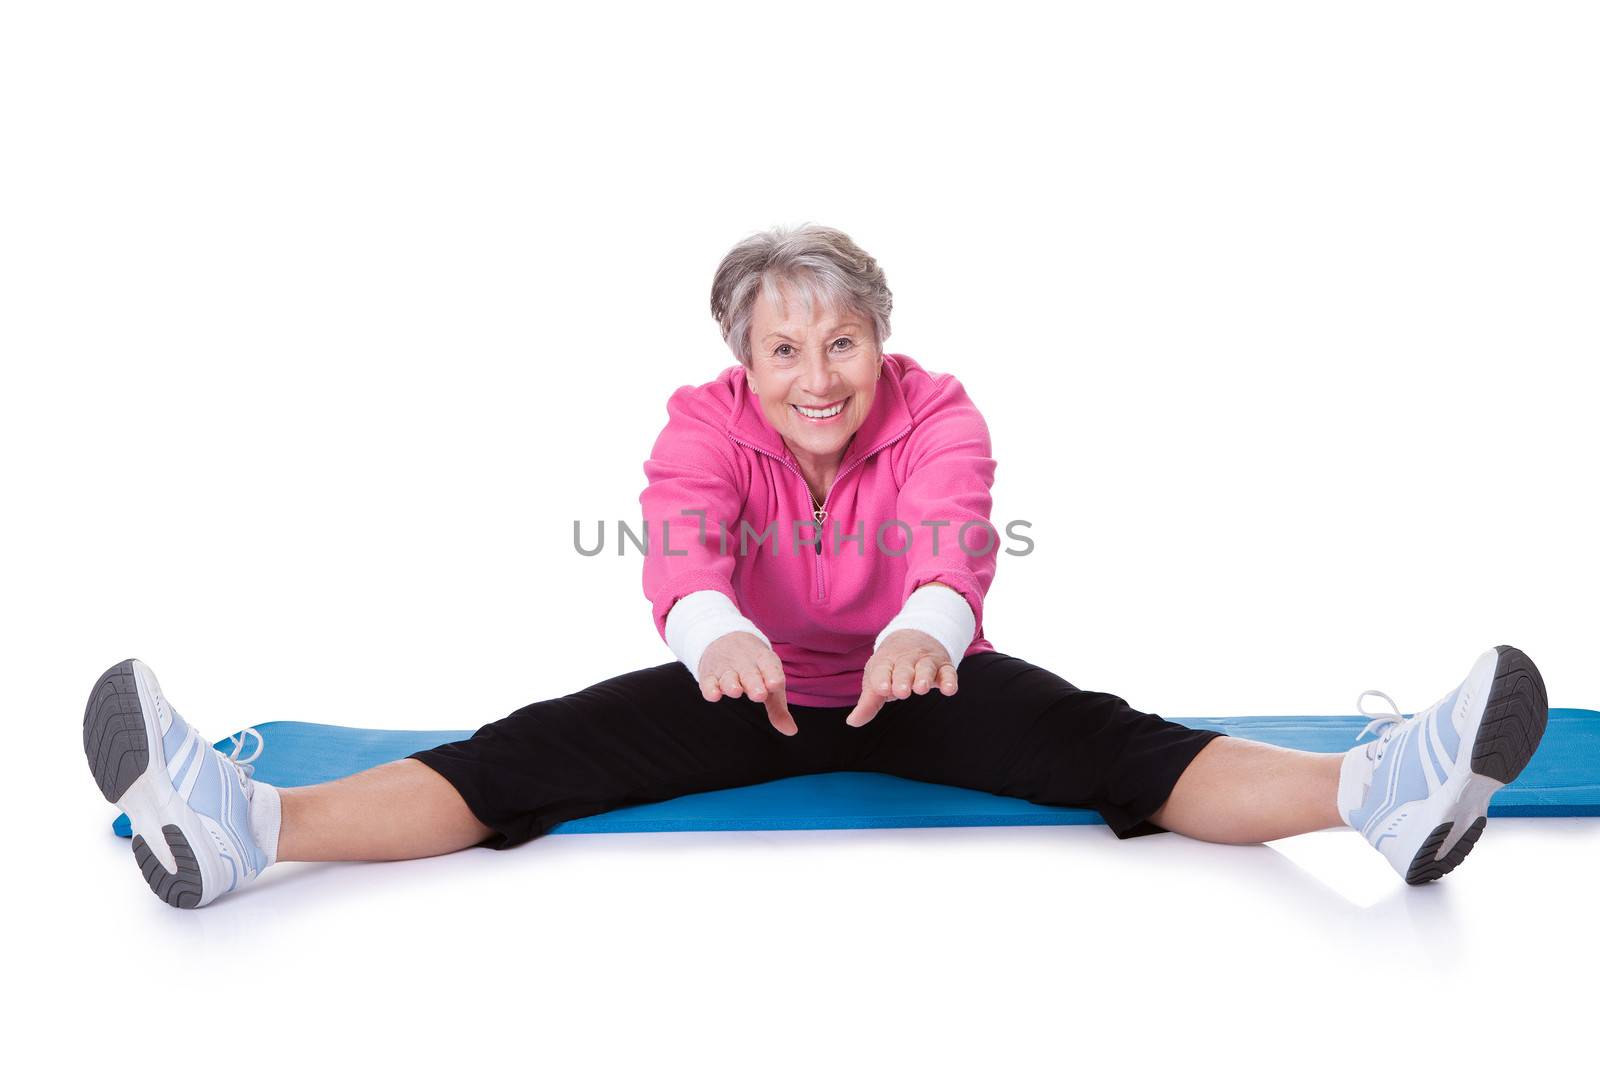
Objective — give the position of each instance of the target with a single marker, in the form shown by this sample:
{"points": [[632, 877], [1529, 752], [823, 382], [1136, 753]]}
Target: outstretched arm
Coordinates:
{"points": [[950, 562]]}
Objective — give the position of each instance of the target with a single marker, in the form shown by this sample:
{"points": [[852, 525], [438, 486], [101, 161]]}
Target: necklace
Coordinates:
{"points": [[816, 508]]}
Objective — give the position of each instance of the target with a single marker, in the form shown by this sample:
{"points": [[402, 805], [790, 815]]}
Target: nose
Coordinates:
{"points": [[817, 376]]}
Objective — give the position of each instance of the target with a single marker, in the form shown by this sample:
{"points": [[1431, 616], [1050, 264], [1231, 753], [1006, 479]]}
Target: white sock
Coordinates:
{"points": [[1355, 778], [266, 819]]}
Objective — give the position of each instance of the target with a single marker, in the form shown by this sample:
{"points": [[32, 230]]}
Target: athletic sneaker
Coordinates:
{"points": [[189, 804], [1420, 792]]}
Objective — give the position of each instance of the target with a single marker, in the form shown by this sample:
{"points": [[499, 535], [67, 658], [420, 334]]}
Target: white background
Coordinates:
{"points": [[321, 324]]}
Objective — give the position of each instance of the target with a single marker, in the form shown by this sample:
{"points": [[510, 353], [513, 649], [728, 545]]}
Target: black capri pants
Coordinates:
{"points": [[1011, 728]]}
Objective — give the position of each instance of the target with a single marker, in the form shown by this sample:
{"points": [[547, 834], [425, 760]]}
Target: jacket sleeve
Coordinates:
{"points": [[689, 471], [949, 475]]}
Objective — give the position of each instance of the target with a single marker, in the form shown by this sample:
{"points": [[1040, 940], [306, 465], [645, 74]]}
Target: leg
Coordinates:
{"points": [[401, 810], [643, 736], [203, 827], [1238, 791], [1019, 730]]}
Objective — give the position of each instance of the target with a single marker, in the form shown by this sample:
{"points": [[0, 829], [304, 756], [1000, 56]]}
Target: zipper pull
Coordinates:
{"points": [[822, 518]]}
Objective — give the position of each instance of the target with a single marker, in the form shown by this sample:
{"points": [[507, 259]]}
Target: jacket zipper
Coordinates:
{"points": [[822, 520]]}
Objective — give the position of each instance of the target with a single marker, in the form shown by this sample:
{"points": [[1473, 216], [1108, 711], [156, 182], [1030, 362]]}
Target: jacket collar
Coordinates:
{"points": [[889, 419]]}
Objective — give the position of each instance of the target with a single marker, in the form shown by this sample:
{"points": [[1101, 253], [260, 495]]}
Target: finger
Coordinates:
{"points": [[710, 689], [772, 673], [902, 679], [778, 714], [947, 680], [729, 680], [866, 708], [922, 676], [877, 678], [754, 684]]}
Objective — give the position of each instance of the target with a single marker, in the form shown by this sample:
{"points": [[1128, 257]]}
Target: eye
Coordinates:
{"points": [[846, 341], [781, 350]]}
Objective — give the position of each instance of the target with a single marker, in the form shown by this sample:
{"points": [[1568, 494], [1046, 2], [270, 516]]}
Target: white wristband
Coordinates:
{"points": [[940, 612], [699, 619]]}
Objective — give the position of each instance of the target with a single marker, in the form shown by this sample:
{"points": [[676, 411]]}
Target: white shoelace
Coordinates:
{"points": [[239, 739], [1383, 722]]}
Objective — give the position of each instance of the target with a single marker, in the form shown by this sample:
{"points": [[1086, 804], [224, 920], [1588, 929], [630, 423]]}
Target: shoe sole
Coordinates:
{"points": [[1513, 723], [118, 741]]}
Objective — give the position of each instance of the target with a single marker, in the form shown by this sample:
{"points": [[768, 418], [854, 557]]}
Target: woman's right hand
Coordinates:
{"points": [[740, 663]]}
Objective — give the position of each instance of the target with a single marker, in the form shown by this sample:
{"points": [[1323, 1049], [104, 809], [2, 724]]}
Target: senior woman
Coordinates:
{"points": [[819, 550]]}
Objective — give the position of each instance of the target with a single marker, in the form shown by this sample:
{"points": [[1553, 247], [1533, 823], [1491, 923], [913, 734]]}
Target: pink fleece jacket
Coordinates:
{"points": [[920, 459]]}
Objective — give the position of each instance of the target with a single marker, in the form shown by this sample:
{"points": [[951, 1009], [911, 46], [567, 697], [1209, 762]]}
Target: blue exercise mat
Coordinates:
{"points": [[1563, 778]]}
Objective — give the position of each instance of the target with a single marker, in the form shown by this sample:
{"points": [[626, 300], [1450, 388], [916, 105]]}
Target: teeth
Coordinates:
{"points": [[819, 413]]}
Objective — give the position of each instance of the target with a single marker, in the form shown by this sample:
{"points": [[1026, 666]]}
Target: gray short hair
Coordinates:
{"points": [[818, 262]]}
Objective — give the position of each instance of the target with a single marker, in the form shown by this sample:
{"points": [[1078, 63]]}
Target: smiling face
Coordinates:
{"points": [[814, 376]]}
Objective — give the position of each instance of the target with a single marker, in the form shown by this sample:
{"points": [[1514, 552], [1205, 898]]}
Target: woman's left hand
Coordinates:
{"points": [[908, 661]]}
